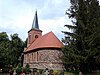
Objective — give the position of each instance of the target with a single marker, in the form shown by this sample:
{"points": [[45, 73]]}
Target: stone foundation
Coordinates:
{"points": [[43, 65]]}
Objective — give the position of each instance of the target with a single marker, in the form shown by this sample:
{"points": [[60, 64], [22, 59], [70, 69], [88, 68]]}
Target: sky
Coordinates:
{"points": [[16, 16]]}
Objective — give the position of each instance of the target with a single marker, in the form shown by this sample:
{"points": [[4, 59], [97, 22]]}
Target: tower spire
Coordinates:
{"points": [[35, 24]]}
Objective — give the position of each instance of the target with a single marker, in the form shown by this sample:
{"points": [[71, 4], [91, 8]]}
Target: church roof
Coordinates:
{"points": [[35, 24], [48, 40]]}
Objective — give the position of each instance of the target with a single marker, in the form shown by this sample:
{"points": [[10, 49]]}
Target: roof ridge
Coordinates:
{"points": [[48, 40]]}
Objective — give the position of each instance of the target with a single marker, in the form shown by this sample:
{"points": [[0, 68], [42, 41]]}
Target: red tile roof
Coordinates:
{"points": [[48, 40]]}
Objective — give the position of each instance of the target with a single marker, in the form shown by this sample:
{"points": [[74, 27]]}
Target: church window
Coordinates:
{"points": [[32, 56], [37, 56], [36, 36], [27, 58]]}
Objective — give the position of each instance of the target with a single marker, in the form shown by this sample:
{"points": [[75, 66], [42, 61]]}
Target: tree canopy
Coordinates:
{"points": [[82, 45], [10, 49]]}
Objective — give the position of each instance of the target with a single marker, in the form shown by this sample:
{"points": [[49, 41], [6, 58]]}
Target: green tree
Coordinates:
{"points": [[82, 45], [4, 50], [17, 47], [10, 50]]}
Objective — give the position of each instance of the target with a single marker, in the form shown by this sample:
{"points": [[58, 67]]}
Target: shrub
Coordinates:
{"points": [[19, 69], [41, 71], [27, 69], [56, 72]]}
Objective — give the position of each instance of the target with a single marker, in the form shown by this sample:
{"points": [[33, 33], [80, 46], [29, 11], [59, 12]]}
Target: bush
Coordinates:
{"points": [[41, 71], [19, 69], [27, 70], [73, 71]]}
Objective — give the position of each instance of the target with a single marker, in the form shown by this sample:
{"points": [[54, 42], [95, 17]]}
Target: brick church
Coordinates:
{"points": [[42, 51]]}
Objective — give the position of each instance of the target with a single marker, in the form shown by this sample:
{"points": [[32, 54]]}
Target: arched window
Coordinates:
{"points": [[36, 36], [37, 56]]}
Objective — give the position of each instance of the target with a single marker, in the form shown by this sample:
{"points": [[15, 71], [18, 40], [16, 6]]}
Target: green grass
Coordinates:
{"points": [[72, 72], [68, 73]]}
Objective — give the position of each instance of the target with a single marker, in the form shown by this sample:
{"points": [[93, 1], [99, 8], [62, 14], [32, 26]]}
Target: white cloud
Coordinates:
{"points": [[17, 16], [22, 24], [55, 25]]}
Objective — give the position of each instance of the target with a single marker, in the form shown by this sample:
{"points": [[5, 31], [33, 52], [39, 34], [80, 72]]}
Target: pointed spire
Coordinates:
{"points": [[35, 24]]}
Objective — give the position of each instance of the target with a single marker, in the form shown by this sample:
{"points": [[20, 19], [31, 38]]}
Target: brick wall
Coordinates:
{"points": [[47, 58]]}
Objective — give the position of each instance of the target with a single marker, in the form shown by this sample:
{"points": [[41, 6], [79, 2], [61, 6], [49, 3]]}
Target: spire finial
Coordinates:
{"points": [[35, 22]]}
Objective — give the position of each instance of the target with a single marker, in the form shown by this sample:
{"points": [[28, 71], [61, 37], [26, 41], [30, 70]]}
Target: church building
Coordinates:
{"points": [[42, 51]]}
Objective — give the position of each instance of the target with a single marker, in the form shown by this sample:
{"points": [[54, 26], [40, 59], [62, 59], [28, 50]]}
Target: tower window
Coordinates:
{"points": [[36, 36]]}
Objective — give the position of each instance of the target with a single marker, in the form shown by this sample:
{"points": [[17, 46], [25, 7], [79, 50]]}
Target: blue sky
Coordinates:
{"points": [[16, 16]]}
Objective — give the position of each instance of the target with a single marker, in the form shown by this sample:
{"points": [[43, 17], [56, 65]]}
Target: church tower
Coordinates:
{"points": [[34, 32]]}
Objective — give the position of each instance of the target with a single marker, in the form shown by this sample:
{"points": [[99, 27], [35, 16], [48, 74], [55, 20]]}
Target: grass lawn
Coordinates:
{"points": [[71, 73]]}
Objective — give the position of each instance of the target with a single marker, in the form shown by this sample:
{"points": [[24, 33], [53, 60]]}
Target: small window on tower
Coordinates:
{"points": [[36, 36]]}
